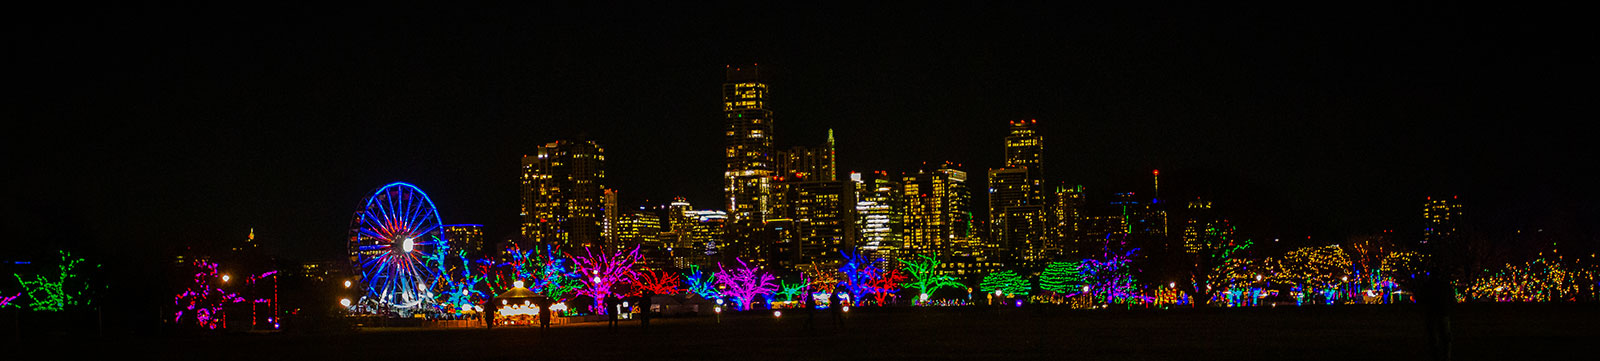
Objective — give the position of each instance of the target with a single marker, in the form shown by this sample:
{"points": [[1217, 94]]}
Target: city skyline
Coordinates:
{"points": [[266, 143]]}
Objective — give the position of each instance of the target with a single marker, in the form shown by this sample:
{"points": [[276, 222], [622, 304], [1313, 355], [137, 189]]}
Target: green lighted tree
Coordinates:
{"points": [[1063, 277], [790, 291], [66, 290], [925, 275], [1007, 282]]}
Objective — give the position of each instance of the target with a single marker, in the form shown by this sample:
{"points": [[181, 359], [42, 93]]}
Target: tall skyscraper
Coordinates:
{"points": [[809, 163], [563, 194], [821, 215], [1071, 222], [610, 217], [1442, 219], [880, 208], [749, 152], [642, 228], [1025, 147], [1017, 210], [938, 220]]}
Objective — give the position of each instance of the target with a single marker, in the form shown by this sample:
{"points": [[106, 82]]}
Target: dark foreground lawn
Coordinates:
{"points": [[1488, 332]]}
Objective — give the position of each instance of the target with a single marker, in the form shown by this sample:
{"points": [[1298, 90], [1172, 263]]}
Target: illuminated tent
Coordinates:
{"points": [[517, 305]]}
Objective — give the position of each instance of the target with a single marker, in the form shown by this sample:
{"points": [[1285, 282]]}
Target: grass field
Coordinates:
{"points": [[1515, 332]]}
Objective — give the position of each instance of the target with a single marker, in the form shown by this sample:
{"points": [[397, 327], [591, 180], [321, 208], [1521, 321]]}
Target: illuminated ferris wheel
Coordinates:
{"points": [[389, 238]]}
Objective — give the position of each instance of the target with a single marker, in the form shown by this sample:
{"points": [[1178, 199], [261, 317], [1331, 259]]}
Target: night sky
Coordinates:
{"points": [[136, 131]]}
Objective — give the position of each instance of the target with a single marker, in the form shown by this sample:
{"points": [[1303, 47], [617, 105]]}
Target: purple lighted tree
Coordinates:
{"points": [[745, 283], [599, 273], [203, 300]]}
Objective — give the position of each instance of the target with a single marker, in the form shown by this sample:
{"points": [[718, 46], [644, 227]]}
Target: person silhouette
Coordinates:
{"points": [[644, 309], [811, 311], [834, 304], [611, 312], [544, 313], [488, 313]]}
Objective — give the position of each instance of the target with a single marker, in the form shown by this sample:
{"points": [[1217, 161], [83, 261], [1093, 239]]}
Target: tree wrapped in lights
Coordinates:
{"points": [[204, 299], [1007, 282], [1063, 278], [552, 276], [925, 276], [66, 290], [700, 283], [457, 285], [885, 283], [1315, 269], [1218, 266], [819, 278], [857, 270], [661, 283], [599, 272], [1110, 277], [1539, 280], [5, 301], [792, 291], [743, 284]]}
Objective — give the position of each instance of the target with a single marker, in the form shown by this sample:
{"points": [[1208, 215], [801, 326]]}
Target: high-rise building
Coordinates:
{"points": [[703, 241], [821, 215], [466, 237], [1442, 219], [748, 148], [1025, 148], [938, 220], [642, 228], [1070, 220], [608, 224], [880, 208], [1205, 229], [1017, 210], [563, 194], [809, 163]]}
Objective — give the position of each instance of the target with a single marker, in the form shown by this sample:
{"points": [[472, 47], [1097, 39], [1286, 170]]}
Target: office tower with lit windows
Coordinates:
{"points": [[809, 163], [880, 208], [820, 216], [1204, 228], [642, 228], [467, 237], [702, 243], [610, 217], [1018, 215], [1070, 220], [563, 194], [1441, 219], [937, 220], [748, 150]]}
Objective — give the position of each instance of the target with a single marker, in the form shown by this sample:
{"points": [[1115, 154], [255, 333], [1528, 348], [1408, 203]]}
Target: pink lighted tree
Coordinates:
{"points": [[745, 283], [600, 272], [204, 299]]}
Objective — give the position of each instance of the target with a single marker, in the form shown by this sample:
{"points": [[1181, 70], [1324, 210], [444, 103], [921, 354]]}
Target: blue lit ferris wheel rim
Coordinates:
{"points": [[396, 275], [398, 217]]}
